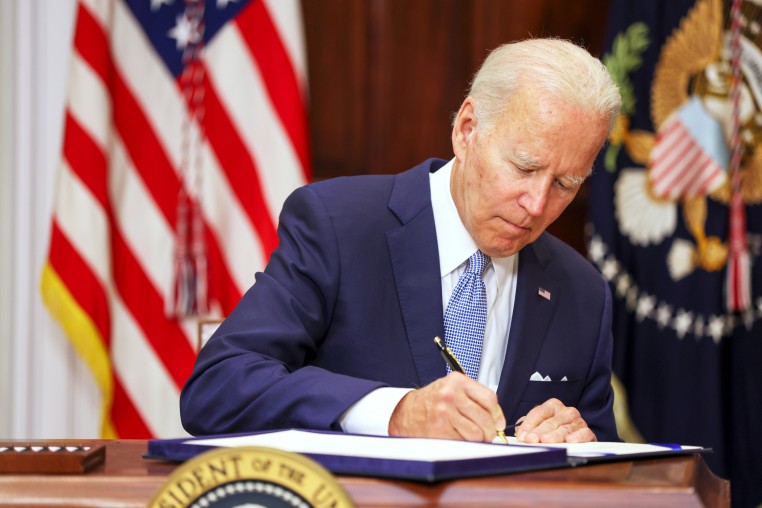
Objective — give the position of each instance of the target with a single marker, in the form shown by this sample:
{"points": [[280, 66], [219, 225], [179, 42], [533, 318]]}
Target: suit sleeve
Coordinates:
{"points": [[255, 372], [597, 399]]}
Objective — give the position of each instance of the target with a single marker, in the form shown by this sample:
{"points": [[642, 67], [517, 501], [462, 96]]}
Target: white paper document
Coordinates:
{"points": [[379, 447], [609, 448], [370, 446]]}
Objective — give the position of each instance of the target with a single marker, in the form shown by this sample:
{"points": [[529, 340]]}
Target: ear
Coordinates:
{"points": [[464, 127]]}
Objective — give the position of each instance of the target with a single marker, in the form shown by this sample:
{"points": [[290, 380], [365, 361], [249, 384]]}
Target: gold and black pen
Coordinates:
{"points": [[455, 366]]}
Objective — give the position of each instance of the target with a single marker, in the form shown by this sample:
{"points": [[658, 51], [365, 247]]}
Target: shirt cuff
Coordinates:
{"points": [[371, 414]]}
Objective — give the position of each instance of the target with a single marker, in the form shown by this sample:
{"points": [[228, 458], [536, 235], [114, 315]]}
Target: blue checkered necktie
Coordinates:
{"points": [[466, 315]]}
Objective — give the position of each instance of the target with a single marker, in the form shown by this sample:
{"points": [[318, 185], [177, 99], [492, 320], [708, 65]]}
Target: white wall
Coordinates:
{"points": [[45, 391]]}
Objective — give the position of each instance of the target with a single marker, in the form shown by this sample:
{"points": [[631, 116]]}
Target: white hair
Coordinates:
{"points": [[558, 67]]}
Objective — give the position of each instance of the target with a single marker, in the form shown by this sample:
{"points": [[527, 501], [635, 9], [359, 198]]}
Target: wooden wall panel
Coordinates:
{"points": [[415, 81], [335, 33], [386, 76]]}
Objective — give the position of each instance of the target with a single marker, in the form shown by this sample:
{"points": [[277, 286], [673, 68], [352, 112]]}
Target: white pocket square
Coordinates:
{"points": [[538, 377]]}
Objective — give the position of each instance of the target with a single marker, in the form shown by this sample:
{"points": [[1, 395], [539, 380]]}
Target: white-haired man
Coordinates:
{"points": [[337, 332]]}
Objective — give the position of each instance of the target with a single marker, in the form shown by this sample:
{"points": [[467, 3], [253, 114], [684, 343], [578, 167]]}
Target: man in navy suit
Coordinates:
{"points": [[337, 332]]}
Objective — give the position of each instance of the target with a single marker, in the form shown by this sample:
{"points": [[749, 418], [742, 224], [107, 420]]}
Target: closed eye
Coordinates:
{"points": [[569, 183]]}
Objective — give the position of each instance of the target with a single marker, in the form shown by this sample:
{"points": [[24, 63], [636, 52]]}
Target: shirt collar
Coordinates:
{"points": [[454, 242]]}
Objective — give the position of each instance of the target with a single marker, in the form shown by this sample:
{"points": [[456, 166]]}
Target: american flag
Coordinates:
{"points": [[690, 156], [185, 130]]}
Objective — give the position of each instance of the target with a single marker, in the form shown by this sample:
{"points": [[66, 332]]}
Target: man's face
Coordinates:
{"points": [[512, 180]]}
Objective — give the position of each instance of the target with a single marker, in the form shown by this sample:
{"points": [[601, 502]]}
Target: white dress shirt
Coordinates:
{"points": [[371, 414]]}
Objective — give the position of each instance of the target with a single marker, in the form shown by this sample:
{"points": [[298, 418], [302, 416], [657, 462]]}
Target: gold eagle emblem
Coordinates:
{"points": [[694, 62]]}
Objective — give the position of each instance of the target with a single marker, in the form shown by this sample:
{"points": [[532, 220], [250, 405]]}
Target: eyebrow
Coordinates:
{"points": [[525, 160], [574, 180]]}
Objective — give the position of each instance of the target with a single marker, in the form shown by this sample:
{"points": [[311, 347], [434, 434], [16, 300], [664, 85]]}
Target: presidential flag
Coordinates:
{"points": [[185, 129], [676, 226]]}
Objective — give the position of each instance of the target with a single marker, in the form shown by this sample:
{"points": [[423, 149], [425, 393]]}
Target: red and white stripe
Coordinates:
{"points": [[113, 227], [680, 167]]}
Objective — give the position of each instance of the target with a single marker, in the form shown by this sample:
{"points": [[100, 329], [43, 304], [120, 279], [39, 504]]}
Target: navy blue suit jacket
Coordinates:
{"points": [[351, 300]]}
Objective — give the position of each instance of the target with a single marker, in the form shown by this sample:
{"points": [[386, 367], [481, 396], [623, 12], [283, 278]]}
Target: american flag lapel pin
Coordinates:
{"points": [[544, 293]]}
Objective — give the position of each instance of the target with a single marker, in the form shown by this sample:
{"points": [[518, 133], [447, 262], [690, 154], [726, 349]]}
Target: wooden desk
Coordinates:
{"points": [[126, 480]]}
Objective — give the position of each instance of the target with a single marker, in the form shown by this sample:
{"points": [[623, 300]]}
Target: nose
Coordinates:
{"points": [[535, 196]]}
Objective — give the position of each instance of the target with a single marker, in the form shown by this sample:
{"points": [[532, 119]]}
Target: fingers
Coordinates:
{"points": [[553, 422], [452, 407], [487, 401], [456, 407], [539, 414], [583, 435], [479, 414]]}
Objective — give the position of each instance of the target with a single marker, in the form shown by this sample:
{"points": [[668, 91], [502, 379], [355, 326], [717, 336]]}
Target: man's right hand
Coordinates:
{"points": [[452, 407]]}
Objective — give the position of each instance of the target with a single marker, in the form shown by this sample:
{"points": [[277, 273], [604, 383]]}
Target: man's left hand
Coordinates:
{"points": [[553, 422]]}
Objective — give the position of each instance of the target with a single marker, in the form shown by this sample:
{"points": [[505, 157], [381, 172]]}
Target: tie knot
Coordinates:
{"points": [[477, 263]]}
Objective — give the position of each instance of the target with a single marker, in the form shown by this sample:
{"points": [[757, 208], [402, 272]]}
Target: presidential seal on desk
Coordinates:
{"points": [[251, 477]]}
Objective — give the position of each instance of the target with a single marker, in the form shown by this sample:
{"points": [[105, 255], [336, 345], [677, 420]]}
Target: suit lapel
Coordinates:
{"points": [[415, 262], [531, 316]]}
